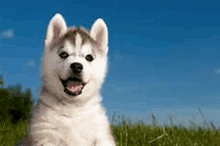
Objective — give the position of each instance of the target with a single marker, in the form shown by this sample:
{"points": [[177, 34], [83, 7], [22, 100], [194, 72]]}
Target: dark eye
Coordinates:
{"points": [[89, 58], [64, 55]]}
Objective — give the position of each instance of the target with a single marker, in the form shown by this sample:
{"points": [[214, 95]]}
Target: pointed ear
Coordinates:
{"points": [[99, 32], [56, 27]]}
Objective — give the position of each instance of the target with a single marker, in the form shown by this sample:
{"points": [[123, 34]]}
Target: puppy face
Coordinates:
{"points": [[75, 60]]}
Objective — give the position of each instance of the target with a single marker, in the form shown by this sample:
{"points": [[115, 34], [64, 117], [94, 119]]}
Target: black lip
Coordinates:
{"points": [[64, 82]]}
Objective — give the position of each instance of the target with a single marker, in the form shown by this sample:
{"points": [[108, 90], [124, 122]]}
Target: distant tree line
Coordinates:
{"points": [[15, 105]]}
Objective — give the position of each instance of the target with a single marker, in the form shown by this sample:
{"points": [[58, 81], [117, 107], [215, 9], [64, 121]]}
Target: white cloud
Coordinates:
{"points": [[217, 71], [118, 89], [30, 63], [7, 34]]}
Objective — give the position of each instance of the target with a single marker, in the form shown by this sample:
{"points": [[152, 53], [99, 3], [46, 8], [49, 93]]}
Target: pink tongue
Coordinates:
{"points": [[74, 86]]}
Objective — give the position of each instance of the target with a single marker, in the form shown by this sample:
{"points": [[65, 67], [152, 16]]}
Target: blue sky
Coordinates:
{"points": [[164, 57]]}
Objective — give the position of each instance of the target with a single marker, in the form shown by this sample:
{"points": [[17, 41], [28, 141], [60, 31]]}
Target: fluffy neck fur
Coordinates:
{"points": [[73, 109]]}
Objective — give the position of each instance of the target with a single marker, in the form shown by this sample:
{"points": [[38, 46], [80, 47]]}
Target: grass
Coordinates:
{"points": [[140, 134], [127, 133], [10, 134]]}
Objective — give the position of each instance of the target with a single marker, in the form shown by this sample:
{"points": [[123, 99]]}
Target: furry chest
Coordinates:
{"points": [[78, 131]]}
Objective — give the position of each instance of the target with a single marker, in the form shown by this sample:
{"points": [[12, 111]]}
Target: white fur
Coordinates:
{"points": [[99, 32], [78, 42], [60, 119], [59, 22]]}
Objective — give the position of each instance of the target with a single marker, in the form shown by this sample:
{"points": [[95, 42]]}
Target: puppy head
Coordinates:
{"points": [[75, 59]]}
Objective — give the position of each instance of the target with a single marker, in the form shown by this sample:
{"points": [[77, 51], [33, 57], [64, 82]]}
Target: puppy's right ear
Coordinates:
{"points": [[56, 27], [99, 32]]}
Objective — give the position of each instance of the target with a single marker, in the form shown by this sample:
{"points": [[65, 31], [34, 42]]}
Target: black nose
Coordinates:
{"points": [[76, 67]]}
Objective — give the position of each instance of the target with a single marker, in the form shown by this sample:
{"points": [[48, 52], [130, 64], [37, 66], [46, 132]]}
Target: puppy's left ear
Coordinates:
{"points": [[56, 27], [99, 32]]}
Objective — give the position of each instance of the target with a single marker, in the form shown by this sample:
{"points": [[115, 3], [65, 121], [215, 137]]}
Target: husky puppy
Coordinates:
{"points": [[69, 111]]}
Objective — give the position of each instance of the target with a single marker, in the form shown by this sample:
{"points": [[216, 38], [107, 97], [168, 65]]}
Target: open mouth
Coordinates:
{"points": [[73, 86]]}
